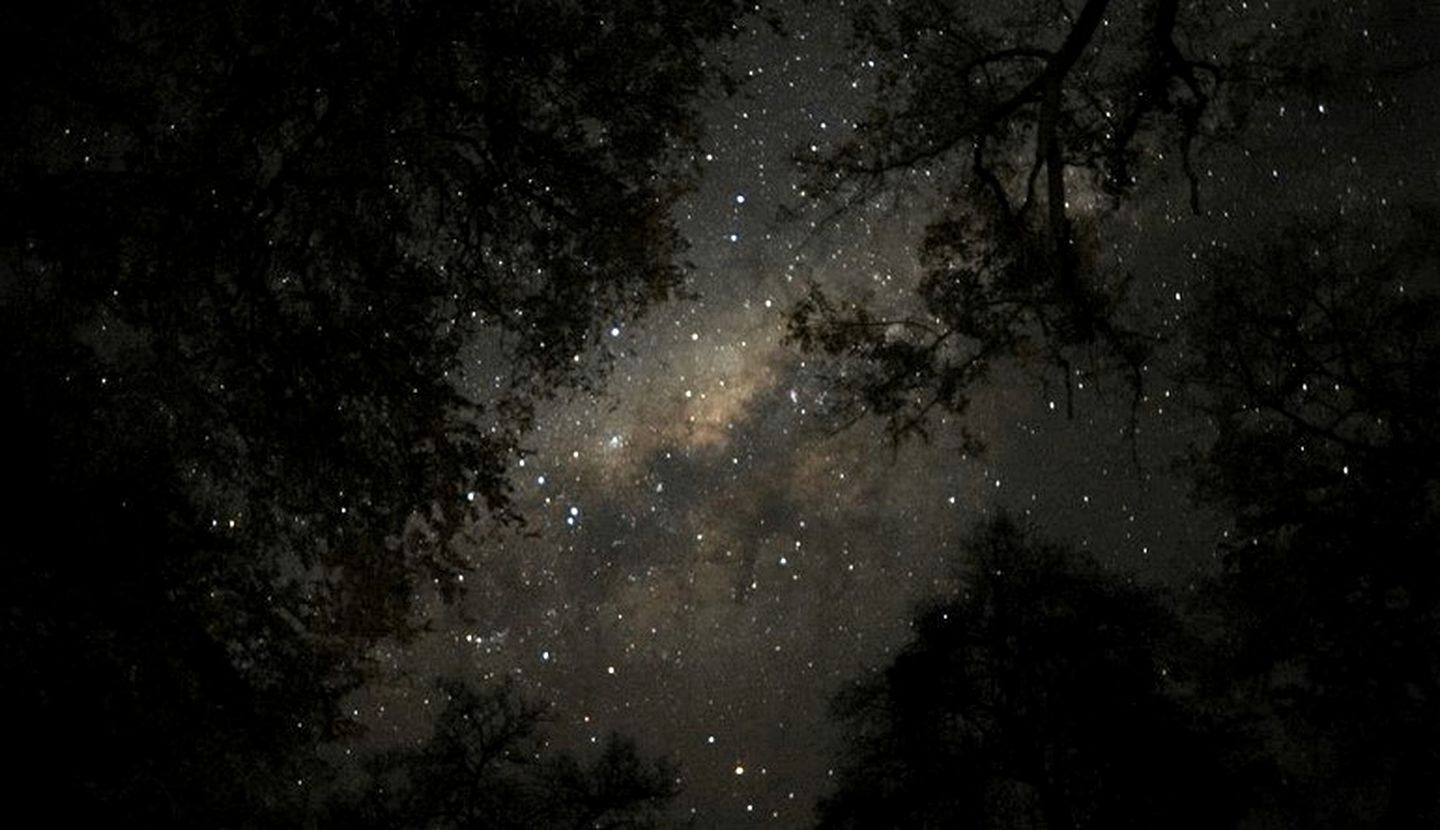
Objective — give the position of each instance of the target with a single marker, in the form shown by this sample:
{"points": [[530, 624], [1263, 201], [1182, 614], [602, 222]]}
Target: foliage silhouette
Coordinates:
{"points": [[1025, 125], [1045, 694], [1301, 683], [1315, 358], [280, 291], [486, 765]]}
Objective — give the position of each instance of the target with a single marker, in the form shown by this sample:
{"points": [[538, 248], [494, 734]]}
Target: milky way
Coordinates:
{"points": [[705, 563]]}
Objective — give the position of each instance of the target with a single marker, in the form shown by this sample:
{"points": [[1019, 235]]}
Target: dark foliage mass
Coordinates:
{"points": [[486, 765], [1047, 693], [1315, 357], [281, 286], [1300, 687]]}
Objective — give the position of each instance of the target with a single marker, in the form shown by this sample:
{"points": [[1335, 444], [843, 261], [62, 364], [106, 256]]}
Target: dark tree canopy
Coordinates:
{"points": [[1027, 124], [1315, 356], [1039, 696], [279, 290], [487, 765], [1297, 688]]}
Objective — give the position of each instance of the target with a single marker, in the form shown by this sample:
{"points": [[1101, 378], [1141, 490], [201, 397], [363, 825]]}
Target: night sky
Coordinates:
{"points": [[706, 563], [317, 396]]}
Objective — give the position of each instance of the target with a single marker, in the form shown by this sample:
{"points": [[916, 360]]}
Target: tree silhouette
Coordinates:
{"points": [[618, 789], [280, 291], [1315, 358], [1046, 693], [1025, 124], [487, 765]]}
